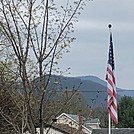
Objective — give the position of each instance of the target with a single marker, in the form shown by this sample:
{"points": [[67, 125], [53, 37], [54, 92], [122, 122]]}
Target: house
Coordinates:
{"points": [[93, 123], [74, 121], [114, 131], [68, 129], [89, 123], [49, 129], [70, 124], [58, 129]]}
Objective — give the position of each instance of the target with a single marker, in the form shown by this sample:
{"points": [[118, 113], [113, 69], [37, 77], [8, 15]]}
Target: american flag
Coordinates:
{"points": [[111, 84]]}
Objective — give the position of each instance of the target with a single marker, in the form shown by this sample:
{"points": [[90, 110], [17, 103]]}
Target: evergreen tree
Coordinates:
{"points": [[126, 112]]}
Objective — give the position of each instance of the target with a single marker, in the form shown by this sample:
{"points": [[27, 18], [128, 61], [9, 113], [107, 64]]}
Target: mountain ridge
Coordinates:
{"points": [[102, 82], [93, 88]]}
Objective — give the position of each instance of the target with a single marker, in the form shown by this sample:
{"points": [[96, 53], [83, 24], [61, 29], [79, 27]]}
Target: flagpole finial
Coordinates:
{"points": [[109, 26]]}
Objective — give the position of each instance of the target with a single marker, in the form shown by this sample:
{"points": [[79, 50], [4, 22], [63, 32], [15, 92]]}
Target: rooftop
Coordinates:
{"points": [[114, 131]]}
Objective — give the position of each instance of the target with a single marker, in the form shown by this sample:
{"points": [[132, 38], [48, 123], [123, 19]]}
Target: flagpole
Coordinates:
{"points": [[109, 118], [109, 128]]}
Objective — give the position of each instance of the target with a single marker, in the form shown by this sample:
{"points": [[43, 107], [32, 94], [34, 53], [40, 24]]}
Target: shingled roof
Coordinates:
{"points": [[114, 131]]}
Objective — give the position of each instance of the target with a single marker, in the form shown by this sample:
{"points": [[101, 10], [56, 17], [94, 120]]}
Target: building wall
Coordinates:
{"points": [[93, 126], [65, 120], [51, 131]]}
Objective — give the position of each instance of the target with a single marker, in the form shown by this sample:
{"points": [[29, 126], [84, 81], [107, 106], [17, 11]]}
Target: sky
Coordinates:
{"points": [[89, 53]]}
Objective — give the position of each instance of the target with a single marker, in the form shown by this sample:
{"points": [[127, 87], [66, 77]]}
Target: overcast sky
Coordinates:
{"points": [[88, 54]]}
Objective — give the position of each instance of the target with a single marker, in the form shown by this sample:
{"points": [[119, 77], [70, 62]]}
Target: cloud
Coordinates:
{"points": [[88, 54]]}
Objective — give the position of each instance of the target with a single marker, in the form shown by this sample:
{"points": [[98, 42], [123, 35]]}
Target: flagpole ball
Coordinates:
{"points": [[109, 26]]}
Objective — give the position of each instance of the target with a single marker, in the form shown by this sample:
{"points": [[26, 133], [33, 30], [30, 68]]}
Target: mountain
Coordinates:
{"points": [[120, 91], [92, 87], [93, 79]]}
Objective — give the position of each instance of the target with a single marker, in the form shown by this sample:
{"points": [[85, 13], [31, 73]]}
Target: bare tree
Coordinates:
{"points": [[37, 33], [10, 103]]}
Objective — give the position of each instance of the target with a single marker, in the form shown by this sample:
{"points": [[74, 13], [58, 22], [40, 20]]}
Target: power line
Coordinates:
{"points": [[95, 91]]}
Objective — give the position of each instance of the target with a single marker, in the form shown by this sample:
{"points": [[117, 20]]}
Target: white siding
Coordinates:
{"points": [[51, 131], [65, 120]]}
